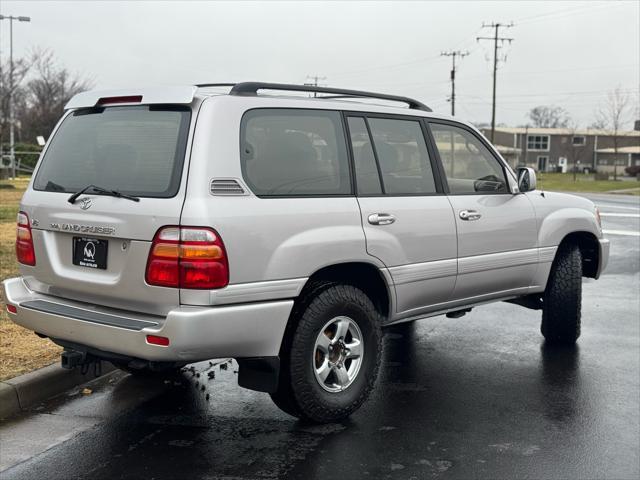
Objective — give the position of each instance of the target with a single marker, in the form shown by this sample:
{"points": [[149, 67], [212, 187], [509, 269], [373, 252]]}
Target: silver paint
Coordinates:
{"points": [[432, 259]]}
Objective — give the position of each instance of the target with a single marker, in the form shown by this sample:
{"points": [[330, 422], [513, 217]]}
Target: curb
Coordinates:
{"points": [[19, 393]]}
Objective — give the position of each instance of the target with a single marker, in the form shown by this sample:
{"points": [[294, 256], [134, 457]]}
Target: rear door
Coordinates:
{"points": [[497, 233], [407, 220], [95, 250]]}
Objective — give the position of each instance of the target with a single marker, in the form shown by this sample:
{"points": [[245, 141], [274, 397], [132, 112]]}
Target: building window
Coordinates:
{"points": [[538, 142], [542, 163], [579, 140], [621, 162]]}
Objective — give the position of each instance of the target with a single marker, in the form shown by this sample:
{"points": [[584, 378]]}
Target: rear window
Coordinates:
{"points": [[137, 150], [288, 152]]}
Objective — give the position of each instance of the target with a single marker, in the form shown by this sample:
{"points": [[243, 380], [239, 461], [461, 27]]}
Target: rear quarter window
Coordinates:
{"points": [[287, 152], [138, 150]]}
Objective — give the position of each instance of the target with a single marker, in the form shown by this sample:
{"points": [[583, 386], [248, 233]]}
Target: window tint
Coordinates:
{"points": [[468, 164], [294, 152], [402, 155], [367, 175], [137, 150]]}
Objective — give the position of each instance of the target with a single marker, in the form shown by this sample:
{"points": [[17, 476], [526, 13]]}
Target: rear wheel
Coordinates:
{"points": [[333, 355], [561, 310]]}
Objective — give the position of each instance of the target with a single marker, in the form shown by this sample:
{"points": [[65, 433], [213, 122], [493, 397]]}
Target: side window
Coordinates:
{"points": [[402, 156], [367, 175], [294, 152], [468, 164]]}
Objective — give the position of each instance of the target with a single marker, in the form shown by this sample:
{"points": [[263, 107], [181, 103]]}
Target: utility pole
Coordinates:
{"points": [[453, 55], [315, 83], [12, 146], [496, 38]]}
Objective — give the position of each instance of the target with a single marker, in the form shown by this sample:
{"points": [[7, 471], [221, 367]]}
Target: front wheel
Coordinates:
{"points": [[561, 308], [333, 356]]}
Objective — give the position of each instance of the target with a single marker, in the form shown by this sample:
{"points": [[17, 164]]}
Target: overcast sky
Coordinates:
{"points": [[564, 53]]}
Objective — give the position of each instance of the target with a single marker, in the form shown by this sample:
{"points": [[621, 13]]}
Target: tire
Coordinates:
{"points": [[563, 297], [321, 314]]}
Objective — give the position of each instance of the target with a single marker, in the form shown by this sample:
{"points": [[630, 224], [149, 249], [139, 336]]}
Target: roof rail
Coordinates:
{"points": [[251, 88], [205, 85]]}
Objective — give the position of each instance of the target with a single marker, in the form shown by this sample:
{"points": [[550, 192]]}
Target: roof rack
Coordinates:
{"points": [[205, 85], [251, 88]]}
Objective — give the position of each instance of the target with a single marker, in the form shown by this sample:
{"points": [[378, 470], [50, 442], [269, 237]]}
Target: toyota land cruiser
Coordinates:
{"points": [[171, 225]]}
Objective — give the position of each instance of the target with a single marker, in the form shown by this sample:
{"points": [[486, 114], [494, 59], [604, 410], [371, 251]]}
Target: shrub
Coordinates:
{"points": [[633, 170]]}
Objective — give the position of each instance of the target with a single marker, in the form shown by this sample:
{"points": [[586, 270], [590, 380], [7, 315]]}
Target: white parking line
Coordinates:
{"points": [[627, 215], [628, 233]]}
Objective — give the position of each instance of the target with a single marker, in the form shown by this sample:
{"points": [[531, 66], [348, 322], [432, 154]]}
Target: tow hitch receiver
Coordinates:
{"points": [[71, 359]]}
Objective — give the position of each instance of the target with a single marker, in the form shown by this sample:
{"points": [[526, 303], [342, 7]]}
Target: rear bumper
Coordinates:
{"points": [[195, 333], [603, 257]]}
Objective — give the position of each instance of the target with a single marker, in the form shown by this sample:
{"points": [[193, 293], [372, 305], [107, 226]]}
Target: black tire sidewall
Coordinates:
{"points": [[314, 401], [561, 313]]}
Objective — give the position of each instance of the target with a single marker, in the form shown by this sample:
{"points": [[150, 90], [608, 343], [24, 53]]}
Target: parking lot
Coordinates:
{"points": [[481, 396]]}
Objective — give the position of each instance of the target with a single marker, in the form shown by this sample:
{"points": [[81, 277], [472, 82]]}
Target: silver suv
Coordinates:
{"points": [[167, 226]]}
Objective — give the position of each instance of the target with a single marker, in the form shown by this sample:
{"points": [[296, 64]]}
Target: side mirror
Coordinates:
{"points": [[526, 179]]}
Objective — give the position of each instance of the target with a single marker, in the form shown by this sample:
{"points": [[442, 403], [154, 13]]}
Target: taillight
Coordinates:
{"points": [[24, 241], [188, 257]]}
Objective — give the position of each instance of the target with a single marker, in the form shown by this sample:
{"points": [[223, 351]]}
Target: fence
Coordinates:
{"points": [[9, 168]]}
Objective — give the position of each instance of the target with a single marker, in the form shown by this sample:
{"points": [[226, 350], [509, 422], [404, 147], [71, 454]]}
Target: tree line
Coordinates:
{"points": [[611, 115], [41, 88]]}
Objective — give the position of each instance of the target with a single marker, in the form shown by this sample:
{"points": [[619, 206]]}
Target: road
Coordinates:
{"points": [[476, 397]]}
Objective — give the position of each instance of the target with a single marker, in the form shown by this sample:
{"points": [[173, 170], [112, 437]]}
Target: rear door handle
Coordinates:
{"points": [[381, 219], [470, 215]]}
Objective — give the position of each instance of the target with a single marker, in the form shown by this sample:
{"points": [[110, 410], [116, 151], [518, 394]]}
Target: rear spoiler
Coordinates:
{"points": [[172, 95]]}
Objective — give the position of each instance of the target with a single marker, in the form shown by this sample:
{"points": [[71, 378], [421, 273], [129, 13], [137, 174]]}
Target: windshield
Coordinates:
{"points": [[136, 150]]}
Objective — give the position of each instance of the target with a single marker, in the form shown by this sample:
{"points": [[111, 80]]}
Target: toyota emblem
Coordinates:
{"points": [[85, 203]]}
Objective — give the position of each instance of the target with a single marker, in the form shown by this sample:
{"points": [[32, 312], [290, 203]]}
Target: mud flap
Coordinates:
{"points": [[259, 373]]}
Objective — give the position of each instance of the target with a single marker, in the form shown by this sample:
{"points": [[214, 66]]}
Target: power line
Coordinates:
{"points": [[551, 94], [453, 54], [384, 67], [315, 83], [561, 13], [496, 38]]}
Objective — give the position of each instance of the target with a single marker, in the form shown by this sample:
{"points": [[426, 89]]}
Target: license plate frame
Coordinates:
{"points": [[90, 252]]}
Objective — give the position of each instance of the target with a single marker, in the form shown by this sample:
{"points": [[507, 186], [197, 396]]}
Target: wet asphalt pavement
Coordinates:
{"points": [[481, 396]]}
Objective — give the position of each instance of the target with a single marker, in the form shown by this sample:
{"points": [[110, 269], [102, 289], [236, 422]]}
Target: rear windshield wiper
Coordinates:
{"points": [[114, 193]]}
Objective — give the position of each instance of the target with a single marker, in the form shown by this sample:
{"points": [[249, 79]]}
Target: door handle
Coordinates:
{"points": [[381, 219], [469, 215]]}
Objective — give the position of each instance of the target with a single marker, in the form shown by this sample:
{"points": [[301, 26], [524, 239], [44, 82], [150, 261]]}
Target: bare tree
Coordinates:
{"points": [[549, 116], [599, 123], [21, 68], [613, 115], [48, 89]]}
